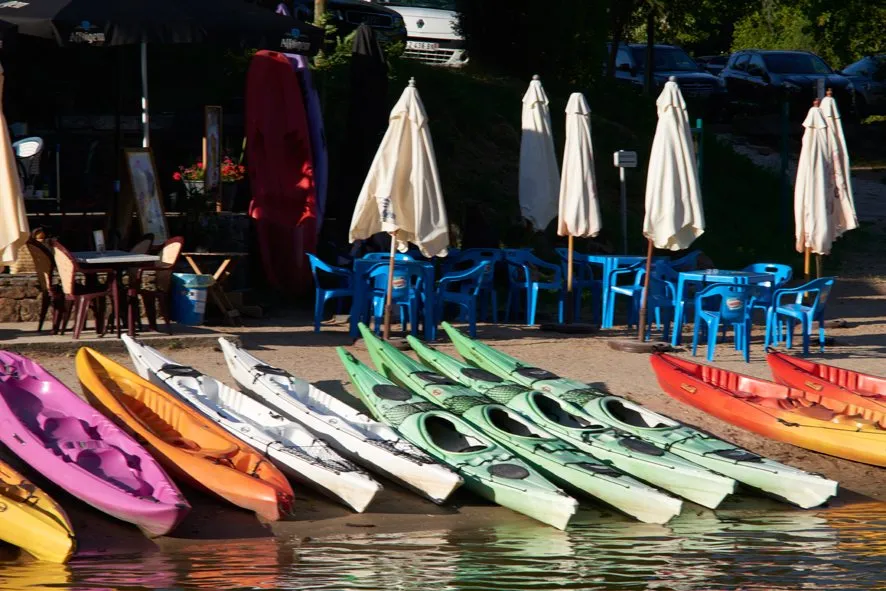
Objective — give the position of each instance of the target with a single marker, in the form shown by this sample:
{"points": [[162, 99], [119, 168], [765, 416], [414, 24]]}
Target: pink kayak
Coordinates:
{"points": [[72, 444]]}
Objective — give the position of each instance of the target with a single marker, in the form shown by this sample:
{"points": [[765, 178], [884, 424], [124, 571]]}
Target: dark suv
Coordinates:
{"points": [[669, 60], [759, 79]]}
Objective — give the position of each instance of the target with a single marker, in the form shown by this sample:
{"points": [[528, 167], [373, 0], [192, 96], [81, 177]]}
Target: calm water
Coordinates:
{"points": [[767, 549]]}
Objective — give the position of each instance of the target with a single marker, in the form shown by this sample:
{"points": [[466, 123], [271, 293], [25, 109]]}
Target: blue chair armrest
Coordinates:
{"points": [[779, 293], [523, 266], [462, 275]]}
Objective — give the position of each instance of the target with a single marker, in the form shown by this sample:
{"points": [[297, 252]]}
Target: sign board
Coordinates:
{"points": [[624, 159]]}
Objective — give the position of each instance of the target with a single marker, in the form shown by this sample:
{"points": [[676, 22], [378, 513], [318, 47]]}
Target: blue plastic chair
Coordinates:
{"points": [[781, 273], [405, 295], [470, 258], [524, 276], [468, 285], [583, 279], [818, 291], [660, 304], [345, 289], [386, 256], [688, 262], [633, 288], [718, 306]]}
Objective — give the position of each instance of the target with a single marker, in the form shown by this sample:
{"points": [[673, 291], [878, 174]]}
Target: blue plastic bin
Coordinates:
{"points": [[189, 297]]}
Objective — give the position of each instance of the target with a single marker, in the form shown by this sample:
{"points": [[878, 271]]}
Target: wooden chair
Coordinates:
{"points": [[81, 296], [143, 245], [50, 295], [169, 255]]}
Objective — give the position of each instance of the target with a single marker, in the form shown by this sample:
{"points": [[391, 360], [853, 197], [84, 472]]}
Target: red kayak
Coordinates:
{"points": [[853, 388]]}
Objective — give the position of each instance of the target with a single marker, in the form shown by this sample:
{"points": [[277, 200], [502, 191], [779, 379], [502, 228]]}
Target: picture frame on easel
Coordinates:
{"points": [[145, 188], [212, 133]]}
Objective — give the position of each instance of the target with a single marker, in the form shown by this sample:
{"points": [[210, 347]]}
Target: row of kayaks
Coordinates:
{"points": [[514, 434]]}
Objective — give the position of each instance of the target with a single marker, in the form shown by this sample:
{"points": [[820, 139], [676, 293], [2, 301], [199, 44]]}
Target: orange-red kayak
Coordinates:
{"points": [[772, 410], [855, 389], [188, 444]]}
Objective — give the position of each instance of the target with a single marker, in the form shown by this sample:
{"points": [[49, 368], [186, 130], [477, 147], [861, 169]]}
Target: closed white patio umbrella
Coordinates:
{"points": [[13, 218], [674, 215], [402, 194], [845, 218], [579, 204], [815, 189], [539, 176]]}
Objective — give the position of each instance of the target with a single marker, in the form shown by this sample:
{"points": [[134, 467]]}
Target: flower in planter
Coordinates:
{"points": [[231, 172], [194, 172]]}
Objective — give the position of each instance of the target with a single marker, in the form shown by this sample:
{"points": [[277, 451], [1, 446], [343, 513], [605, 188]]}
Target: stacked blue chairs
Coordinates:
{"points": [[467, 286], [405, 294], [781, 274], [688, 262], [384, 256], [788, 306], [344, 288], [625, 281], [718, 306], [469, 258], [583, 279], [661, 301], [525, 277]]}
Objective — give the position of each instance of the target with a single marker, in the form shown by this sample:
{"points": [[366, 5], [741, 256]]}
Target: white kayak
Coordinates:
{"points": [[292, 448], [358, 437]]}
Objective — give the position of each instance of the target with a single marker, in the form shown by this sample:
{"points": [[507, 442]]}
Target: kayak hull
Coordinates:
{"points": [[369, 443], [33, 521]]}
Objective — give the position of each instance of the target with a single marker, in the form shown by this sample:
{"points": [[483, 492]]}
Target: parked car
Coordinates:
{"points": [[869, 77], [430, 26], [713, 63], [759, 79], [698, 87], [347, 15]]}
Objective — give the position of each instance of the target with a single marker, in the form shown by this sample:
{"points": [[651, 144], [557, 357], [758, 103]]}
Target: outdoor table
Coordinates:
{"points": [[610, 262], [118, 260], [221, 274], [362, 268], [710, 276]]}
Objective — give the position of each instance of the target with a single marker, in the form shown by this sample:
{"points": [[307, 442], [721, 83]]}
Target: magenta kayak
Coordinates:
{"points": [[73, 445]]}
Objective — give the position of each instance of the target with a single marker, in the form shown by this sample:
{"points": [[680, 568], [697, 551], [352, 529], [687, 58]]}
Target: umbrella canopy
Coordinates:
{"points": [[539, 176], [674, 215], [579, 207], [815, 186], [844, 216], [402, 193], [13, 220]]}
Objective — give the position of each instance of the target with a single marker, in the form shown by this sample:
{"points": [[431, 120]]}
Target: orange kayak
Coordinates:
{"points": [[188, 444], [862, 393], [772, 410]]}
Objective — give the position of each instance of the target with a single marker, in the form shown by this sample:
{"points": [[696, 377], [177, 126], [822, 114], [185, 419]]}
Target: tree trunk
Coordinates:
{"points": [[620, 15], [319, 11], [648, 79]]}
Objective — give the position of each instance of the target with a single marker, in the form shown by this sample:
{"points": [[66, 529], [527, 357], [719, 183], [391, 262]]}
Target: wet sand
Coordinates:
{"points": [[312, 356]]}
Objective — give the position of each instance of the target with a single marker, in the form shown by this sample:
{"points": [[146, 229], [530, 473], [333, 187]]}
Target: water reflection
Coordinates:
{"points": [[741, 547]]}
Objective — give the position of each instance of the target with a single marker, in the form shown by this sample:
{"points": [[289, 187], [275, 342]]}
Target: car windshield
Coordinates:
{"points": [[795, 63], [434, 4], [667, 59]]}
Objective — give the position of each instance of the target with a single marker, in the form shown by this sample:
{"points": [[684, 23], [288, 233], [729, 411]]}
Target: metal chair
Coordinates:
{"points": [[524, 275], [718, 306], [469, 283], [816, 294], [343, 289]]}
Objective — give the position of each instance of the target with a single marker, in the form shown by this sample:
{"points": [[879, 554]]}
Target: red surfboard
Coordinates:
{"points": [[281, 171]]}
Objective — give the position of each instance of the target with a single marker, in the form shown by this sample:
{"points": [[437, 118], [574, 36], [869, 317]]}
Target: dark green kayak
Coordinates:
{"points": [[558, 460], [488, 469]]}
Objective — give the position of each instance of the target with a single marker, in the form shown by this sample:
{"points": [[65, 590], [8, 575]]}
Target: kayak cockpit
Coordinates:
{"points": [[445, 435]]}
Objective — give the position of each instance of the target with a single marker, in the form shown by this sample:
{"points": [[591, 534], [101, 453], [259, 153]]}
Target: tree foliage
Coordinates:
{"points": [[774, 27]]}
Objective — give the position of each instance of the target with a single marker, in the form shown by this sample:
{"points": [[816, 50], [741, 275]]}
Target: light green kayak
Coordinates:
{"points": [[560, 461], [691, 444], [488, 469], [569, 422]]}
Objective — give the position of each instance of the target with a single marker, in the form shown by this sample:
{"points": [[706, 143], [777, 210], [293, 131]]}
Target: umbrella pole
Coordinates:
{"points": [[806, 266], [641, 321], [389, 295], [818, 266], [146, 121], [570, 303]]}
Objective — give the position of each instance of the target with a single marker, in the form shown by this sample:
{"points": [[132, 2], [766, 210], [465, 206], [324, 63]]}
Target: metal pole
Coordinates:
{"points": [[641, 321], [624, 211], [389, 296], [699, 156], [146, 120]]}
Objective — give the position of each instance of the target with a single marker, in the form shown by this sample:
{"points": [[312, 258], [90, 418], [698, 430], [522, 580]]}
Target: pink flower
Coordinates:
{"points": [[177, 176], [200, 165]]}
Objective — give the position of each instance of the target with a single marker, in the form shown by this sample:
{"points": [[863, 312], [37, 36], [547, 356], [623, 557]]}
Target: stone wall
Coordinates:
{"points": [[19, 298]]}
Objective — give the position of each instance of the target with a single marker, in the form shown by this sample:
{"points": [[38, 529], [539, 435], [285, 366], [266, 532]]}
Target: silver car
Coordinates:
{"points": [[869, 77]]}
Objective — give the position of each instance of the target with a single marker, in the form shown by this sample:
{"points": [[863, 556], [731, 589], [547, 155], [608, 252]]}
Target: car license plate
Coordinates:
{"points": [[425, 45]]}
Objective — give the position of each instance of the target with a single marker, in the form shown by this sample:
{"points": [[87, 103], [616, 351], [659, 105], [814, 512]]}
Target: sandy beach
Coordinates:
{"points": [[312, 356]]}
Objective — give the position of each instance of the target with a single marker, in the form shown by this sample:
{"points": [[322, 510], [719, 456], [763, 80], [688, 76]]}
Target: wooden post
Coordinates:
{"points": [[806, 269], [818, 266], [641, 321], [389, 296], [570, 303]]}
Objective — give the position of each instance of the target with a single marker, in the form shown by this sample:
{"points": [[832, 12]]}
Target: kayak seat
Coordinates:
{"points": [[70, 433], [551, 409], [855, 421], [111, 464], [503, 420], [630, 416], [444, 434]]}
